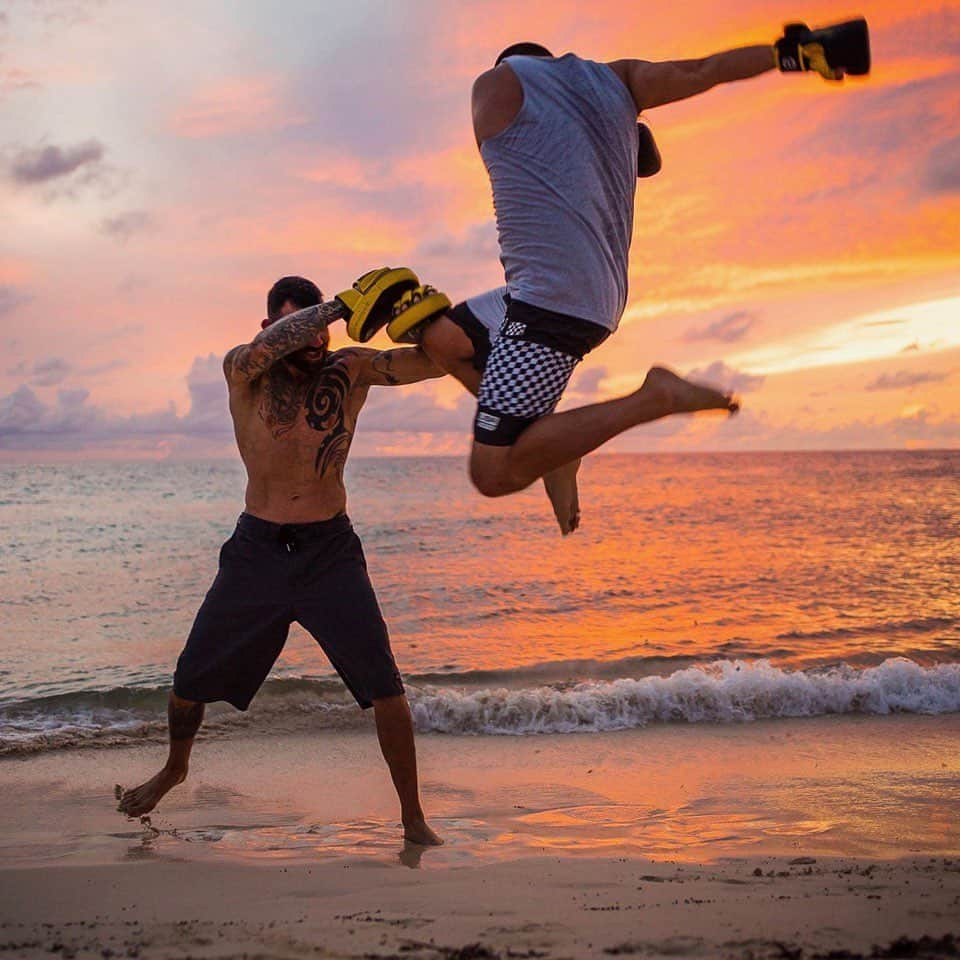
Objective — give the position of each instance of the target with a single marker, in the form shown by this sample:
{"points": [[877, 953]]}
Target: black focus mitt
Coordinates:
{"points": [[830, 51]]}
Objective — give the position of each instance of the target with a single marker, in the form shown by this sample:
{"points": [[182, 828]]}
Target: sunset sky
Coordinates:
{"points": [[162, 164]]}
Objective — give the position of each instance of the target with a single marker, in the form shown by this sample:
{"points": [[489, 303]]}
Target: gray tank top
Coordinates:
{"points": [[490, 309], [564, 175]]}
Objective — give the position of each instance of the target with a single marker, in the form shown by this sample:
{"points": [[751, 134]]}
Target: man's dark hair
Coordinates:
{"points": [[298, 290], [523, 50]]}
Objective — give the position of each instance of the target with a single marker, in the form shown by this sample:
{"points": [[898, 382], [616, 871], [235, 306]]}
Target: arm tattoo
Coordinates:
{"points": [[383, 364], [286, 336]]}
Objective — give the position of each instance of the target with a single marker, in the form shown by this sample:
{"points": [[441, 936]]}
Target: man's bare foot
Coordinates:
{"points": [[684, 396], [561, 487], [142, 799], [417, 831]]}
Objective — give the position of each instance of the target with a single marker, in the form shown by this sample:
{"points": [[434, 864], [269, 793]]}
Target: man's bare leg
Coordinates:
{"points": [[560, 438], [451, 350], [184, 717], [395, 733], [561, 487]]}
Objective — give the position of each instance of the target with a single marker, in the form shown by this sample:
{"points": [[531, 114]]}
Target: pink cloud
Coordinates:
{"points": [[228, 108]]}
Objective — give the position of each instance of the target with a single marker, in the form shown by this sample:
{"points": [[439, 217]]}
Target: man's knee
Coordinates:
{"points": [[446, 344], [490, 471], [184, 717], [391, 708]]}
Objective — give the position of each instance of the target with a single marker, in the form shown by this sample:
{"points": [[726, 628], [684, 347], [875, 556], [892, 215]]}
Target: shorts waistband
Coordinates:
{"points": [[268, 530], [558, 331]]}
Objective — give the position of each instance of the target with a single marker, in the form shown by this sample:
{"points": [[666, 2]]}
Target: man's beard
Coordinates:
{"points": [[307, 359]]}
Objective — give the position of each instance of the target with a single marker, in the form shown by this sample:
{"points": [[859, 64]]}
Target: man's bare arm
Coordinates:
{"points": [[294, 332], [394, 368], [654, 84]]}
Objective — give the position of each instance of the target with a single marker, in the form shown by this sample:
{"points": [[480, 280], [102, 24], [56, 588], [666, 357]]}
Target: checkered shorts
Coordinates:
{"points": [[529, 367]]}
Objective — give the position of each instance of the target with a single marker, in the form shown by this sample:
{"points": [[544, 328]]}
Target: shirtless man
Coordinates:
{"points": [[559, 139], [294, 554]]}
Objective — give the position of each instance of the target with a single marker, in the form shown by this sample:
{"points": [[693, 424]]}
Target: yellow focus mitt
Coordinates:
{"points": [[368, 302], [413, 311]]}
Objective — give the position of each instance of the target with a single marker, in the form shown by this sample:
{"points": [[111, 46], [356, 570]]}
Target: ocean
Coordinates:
{"points": [[700, 589]]}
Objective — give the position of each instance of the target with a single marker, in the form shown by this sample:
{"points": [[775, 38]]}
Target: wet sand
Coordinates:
{"points": [[779, 839]]}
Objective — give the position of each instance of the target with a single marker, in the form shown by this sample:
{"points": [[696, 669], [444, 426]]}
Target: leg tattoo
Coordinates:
{"points": [[184, 718]]}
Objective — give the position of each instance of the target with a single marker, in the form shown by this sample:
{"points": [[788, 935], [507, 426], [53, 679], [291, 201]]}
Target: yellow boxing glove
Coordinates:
{"points": [[413, 311], [369, 302]]}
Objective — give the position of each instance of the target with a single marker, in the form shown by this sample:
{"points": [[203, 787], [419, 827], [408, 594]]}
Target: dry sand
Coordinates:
{"points": [[539, 907]]}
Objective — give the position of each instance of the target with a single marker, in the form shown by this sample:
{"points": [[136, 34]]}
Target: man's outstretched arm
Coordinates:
{"points": [[394, 368], [294, 332], [654, 84]]}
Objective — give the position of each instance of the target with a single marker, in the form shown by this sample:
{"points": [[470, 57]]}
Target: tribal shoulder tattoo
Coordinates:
{"points": [[383, 364]]}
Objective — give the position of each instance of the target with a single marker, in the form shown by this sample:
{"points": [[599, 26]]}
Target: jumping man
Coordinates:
{"points": [[559, 138]]}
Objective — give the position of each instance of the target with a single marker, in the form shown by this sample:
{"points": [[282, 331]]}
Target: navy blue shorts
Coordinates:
{"points": [[270, 576]]}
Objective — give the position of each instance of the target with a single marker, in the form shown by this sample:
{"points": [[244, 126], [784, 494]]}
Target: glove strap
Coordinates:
{"points": [[815, 58], [788, 56], [787, 50]]}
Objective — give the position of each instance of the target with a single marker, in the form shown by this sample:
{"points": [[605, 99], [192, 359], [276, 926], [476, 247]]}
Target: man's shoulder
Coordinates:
{"points": [[353, 357], [493, 80], [232, 353], [231, 360]]}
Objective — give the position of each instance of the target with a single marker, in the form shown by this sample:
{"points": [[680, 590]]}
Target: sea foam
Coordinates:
{"points": [[722, 692]]}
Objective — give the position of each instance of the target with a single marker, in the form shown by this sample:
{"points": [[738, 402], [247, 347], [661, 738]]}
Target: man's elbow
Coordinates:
{"points": [[429, 370]]}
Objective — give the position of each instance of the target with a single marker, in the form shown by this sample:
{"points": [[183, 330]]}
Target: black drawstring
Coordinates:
{"points": [[288, 537]]}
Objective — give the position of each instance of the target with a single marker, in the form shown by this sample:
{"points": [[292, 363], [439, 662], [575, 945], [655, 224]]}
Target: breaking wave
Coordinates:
{"points": [[721, 692], [724, 692]]}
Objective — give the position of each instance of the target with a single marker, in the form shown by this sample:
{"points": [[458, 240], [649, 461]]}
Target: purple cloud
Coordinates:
{"points": [[587, 380], [478, 241], [942, 171], [49, 372], [10, 298], [21, 412], [42, 164], [125, 225], [903, 379], [875, 122], [728, 329], [209, 410], [415, 410], [71, 422], [726, 378], [934, 32]]}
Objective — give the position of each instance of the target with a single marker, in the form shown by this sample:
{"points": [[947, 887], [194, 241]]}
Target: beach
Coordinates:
{"points": [[768, 840], [607, 543]]}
